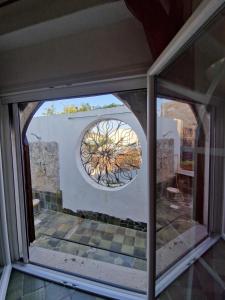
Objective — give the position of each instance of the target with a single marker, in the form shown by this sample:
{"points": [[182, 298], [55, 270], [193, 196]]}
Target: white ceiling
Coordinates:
{"points": [[77, 22]]}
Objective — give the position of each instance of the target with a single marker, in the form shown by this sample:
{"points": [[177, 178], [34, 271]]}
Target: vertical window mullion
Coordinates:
{"points": [[8, 182], [19, 183], [151, 141]]}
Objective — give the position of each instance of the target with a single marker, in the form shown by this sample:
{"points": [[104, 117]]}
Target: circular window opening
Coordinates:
{"points": [[111, 153]]}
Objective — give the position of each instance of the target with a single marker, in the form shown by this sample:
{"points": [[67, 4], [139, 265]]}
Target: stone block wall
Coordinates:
{"points": [[44, 163]]}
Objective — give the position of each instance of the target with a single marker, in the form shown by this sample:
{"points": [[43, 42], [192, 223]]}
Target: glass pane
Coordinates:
{"points": [[203, 280], [190, 143], [200, 67], [1, 251], [87, 165], [182, 214]]}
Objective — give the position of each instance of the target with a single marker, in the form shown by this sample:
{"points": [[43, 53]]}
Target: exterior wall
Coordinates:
{"points": [[79, 192], [166, 130], [44, 164], [179, 110], [187, 124], [165, 160]]}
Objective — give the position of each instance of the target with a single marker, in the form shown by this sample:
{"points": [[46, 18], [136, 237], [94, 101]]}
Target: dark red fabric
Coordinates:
{"points": [[160, 26]]}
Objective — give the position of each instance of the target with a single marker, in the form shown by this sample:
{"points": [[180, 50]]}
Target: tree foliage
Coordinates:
{"points": [[71, 109], [50, 111], [111, 105]]}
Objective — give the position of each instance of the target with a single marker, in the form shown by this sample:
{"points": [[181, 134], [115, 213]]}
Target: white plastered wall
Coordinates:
{"points": [[79, 192]]}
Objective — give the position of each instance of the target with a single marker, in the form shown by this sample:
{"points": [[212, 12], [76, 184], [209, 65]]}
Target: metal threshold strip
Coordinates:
{"points": [[182, 265], [78, 283]]}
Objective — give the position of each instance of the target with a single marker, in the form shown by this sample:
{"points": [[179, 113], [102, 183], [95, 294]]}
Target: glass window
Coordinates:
{"points": [[3, 259], [182, 215], [190, 143]]}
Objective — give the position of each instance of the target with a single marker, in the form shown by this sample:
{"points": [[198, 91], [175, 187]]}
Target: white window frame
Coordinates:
{"points": [[205, 11], [200, 17], [4, 241]]}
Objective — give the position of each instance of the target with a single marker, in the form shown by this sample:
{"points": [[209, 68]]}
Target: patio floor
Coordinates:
{"points": [[91, 239], [110, 243]]}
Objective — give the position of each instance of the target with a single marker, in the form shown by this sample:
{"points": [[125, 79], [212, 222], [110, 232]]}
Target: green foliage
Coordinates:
{"points": [[71, 109], [111, 105], [50, 111], [85, 107]]}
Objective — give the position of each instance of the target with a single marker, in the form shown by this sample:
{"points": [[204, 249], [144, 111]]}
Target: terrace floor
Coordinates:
{"points": [[110, 243]]}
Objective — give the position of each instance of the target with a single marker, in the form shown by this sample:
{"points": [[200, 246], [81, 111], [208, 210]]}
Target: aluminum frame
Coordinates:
{"points": [[80, 89], [4, 281], [3, 220], [205, 11], [106, 86], [193, 26], [78, 283], [183, 264], [199, 18], [6, 259], [18, 167]]}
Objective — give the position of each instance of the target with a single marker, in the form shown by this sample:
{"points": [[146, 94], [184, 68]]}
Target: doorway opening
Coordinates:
{"points": [[86, 163]]}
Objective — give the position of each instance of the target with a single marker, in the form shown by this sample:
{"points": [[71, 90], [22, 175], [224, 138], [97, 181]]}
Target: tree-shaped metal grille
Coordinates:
{"points": [[111, 153]]}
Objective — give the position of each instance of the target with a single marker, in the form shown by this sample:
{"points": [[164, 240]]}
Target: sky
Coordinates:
{"points": [[160, 101], [93, 101]]}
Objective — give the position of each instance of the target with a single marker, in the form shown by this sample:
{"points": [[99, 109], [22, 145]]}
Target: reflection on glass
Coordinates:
{"points": [[88, 170], [197, 76], [1, 254], [197, 282], [181, 204]]}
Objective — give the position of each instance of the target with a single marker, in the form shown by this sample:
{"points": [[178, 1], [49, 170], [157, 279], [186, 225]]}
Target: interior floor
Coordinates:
{"points": [[24, 287]]}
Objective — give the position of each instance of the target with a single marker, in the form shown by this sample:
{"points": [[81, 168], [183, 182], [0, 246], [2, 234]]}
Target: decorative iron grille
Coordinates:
{"points": [[111, 153]]}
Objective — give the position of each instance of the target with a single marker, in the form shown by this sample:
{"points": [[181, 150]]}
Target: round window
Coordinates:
{"points": [[111, 153]]}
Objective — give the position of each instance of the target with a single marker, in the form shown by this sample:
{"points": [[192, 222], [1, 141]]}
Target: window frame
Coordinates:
{"points": [[15, 146], [205, 12], [4, 239], [9, 125]]}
